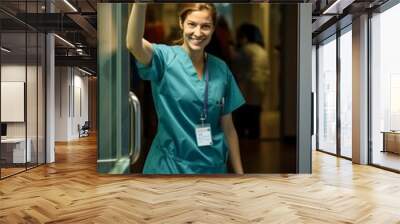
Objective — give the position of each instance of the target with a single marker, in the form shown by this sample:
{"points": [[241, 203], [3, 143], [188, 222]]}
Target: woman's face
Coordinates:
{"points": [[197, 30]]}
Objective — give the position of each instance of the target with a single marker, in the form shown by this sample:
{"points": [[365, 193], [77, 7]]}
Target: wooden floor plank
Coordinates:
{"points": [[71, 191]]}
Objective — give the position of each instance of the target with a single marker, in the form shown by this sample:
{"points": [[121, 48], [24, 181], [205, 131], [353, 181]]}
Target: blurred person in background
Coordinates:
{"points": [[251, 67]]}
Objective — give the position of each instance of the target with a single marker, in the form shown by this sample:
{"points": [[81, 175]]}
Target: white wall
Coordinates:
{"points": [[62, 81], [71, 102], [13, 72], [10, 73], [80, 112], [12, 101]]}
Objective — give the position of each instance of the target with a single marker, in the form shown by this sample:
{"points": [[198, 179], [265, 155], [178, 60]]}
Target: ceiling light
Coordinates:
{"points": [[5, 50], [84, 71], [70, 5], [65, 41], [80, 51]]}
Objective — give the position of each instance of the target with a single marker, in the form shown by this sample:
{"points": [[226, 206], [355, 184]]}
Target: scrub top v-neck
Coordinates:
{"points": [[178, 96]]}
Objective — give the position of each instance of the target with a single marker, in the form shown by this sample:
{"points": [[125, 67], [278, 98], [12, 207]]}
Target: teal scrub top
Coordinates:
{"points": [[178, 97]]}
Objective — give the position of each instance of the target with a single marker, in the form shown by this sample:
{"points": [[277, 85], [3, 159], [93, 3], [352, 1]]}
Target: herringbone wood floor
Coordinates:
{"points": [[70, 191]]}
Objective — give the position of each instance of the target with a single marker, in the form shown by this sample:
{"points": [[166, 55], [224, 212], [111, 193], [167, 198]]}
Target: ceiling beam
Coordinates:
{"points": [[84, 24], [337, 7], [85, 61]]}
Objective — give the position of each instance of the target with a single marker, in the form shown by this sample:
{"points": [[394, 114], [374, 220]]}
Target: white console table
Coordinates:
{"points": [[17, 146]]}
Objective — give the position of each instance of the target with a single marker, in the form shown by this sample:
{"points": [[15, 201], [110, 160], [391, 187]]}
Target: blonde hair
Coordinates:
{"points": [[190, 7]]}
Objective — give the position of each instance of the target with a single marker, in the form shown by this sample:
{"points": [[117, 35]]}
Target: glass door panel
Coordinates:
{"points": [[15, 151], [32, 98], [41, 79], [327, 96], [113, 81], [346, 94]]}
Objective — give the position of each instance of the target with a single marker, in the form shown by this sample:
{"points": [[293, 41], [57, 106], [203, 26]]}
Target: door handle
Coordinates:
{"points": [[122, 163], [135, 128], [312, 113]]}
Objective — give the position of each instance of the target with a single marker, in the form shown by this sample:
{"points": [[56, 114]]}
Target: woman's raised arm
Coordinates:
{"points": [[136, 44]]}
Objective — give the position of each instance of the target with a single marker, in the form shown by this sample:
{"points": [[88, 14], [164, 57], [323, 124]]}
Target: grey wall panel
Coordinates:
{"points": [[304, 82]]}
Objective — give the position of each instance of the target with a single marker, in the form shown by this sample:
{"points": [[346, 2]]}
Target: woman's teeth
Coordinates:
{"points": [[197, 41]]}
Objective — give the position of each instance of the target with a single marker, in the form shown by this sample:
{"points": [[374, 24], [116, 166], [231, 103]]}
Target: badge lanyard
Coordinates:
{"points": [[203, 131], [204, 114]]}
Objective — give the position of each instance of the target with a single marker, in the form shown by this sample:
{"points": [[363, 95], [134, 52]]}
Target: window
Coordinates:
{"points": [[385, 89]]}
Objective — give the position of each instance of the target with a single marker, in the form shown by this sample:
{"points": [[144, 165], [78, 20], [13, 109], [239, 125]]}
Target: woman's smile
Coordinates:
{"points": [[196, 41]]}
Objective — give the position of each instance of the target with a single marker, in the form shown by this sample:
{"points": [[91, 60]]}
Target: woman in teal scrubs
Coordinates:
{"points": [[194, 94]]}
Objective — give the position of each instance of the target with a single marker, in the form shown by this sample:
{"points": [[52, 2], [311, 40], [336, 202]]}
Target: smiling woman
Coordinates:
{"points": [[194, 95], [197, 12]]}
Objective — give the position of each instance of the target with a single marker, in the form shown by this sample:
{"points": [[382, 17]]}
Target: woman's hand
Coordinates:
{"points": [[136, 44], [233, 143]]}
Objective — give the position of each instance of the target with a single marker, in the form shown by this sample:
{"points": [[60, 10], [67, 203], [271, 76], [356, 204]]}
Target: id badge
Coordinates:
{"points": [[203, 135]]}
